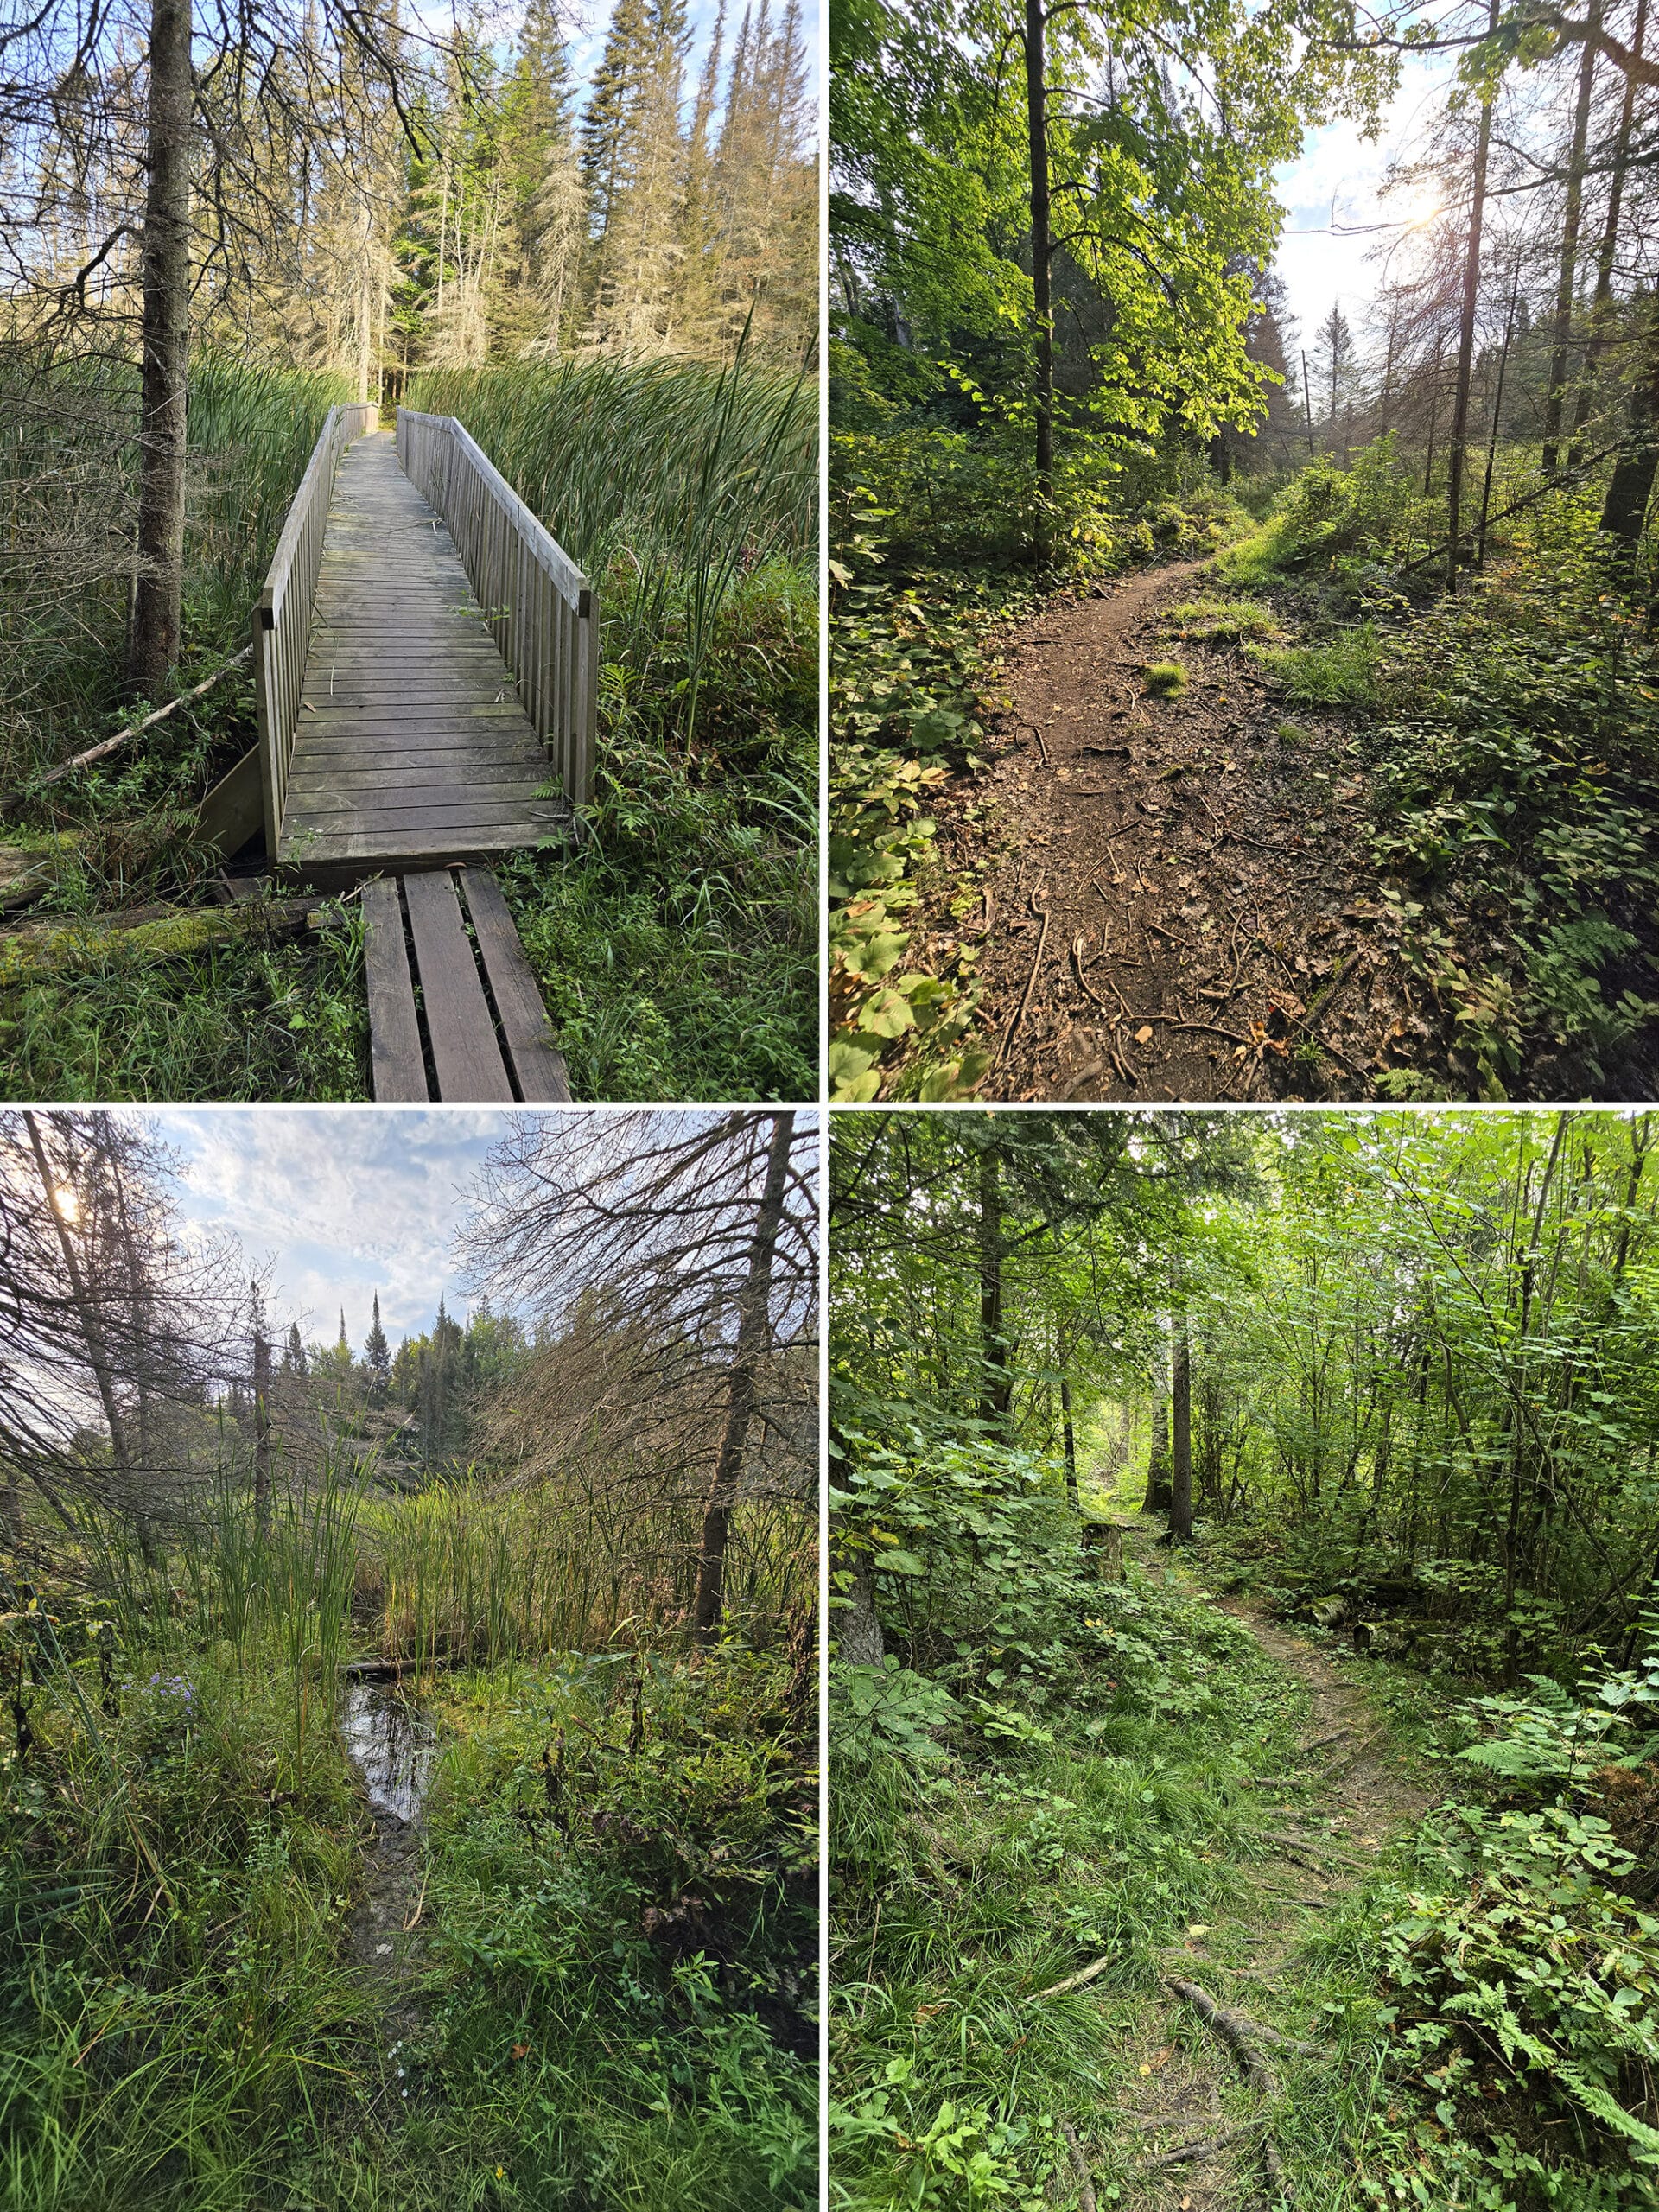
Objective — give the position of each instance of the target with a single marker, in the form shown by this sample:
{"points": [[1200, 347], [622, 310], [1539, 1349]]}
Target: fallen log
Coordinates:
{"points": [[386, 1671], [157, 932]]}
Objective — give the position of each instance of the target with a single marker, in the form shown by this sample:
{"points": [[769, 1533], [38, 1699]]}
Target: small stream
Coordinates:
{"points": [[392, 1746]]}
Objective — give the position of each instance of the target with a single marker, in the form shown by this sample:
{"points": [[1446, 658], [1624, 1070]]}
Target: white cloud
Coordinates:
{"points": [[341, 1201]]}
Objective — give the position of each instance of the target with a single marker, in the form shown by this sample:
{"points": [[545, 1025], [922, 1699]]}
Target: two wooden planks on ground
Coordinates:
{"points": [[478, 1030]]}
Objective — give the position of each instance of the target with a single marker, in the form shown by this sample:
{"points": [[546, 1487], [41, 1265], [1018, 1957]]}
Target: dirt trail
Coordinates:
{"points": [[1343, 1803], [1213, 927]]}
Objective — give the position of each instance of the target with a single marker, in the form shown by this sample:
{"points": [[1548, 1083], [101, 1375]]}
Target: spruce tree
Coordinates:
{"points": [[377, 1355]]}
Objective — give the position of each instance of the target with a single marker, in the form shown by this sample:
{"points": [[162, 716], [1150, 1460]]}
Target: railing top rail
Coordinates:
{"points": [[546, 547], [282, 561]]}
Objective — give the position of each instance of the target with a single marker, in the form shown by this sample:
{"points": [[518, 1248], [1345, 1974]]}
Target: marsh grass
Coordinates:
{"points": [[181, 1839], [68, 458], [236, 1021]]}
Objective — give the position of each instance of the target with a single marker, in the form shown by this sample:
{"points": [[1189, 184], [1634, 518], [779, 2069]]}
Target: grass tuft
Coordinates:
{"points": [[1223, 622], [1166, 679]]}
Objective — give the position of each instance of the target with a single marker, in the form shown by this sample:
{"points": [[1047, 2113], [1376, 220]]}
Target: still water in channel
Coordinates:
{"points": [[392, 1747]]}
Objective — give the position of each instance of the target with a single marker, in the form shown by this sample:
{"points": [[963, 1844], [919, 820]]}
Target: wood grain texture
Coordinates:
{"points": [[401, 663], [398, 1064], [466, 1054], [537, 1064]]}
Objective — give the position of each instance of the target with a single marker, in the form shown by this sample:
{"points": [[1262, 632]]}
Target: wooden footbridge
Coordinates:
{"points": [[426, 670]]}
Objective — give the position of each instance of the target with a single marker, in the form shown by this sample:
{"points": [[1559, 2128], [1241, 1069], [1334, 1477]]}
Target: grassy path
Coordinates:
{"points": [[1329, 1820]]}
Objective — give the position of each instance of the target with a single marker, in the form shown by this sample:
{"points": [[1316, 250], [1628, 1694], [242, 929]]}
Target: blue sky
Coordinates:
{"points": [[341, 1202]]}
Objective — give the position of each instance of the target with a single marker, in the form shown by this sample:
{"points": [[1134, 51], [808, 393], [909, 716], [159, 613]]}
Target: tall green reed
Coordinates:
{"points": [[669, 481], [68, 462]]}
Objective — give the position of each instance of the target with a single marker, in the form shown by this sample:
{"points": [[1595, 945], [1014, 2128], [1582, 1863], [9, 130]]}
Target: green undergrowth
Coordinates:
{"points": [[1510, 733], [616, 1893], [139, 1020], [631, 1848], [1049, 1772], [1517, 773], [1023, 1843], [676, 946]]}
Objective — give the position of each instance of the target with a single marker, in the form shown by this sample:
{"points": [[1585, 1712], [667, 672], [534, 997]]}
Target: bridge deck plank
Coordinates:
{"points": [[412, 744]]}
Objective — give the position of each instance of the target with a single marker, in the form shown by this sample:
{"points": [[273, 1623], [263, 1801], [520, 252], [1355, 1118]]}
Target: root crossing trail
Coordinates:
{"points": [[1183, 2084], [1189, 909]]}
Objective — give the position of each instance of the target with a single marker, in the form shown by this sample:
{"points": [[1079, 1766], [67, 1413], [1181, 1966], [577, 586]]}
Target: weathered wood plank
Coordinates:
{"points": [[444, 824], [465, 1052], [235, 808], [537, 1064], [412, 741], [400, 1066]]}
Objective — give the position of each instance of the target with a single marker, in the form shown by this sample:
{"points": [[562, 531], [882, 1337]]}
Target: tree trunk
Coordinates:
{"points": [[1157, 1497], [1601, 306], [262, 1432], [1070, 1440], [364, 308], [858, 1635], [1307, 406], [1497, 414], [165, 281], [753, 1318], [1555, 397], [996, 1384], [1466, 333], [856, 1625], [1041, 246], [1631, 485], [1180, 1406]]}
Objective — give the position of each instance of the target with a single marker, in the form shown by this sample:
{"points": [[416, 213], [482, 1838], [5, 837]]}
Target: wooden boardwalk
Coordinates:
{"points": [[412, 747]]}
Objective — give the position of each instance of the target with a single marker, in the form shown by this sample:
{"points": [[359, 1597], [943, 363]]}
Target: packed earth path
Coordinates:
{"points": [[1199, 2107], [1187, 907]]}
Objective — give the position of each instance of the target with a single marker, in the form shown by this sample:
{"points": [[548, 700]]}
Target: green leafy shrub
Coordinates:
{"points": [[1518, 1970]]}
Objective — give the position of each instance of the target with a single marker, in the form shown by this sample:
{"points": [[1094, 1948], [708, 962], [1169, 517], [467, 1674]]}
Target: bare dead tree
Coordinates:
{"points": [[110, 1322], [672, 1260], [150, 155]]}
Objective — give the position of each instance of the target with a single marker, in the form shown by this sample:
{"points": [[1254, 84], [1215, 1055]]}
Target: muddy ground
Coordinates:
{"points": [[1186, 908]]}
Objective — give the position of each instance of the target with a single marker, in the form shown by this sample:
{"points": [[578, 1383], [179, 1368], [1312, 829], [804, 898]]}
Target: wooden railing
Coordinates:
{"points": [[541, 609], [282, 621]]}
